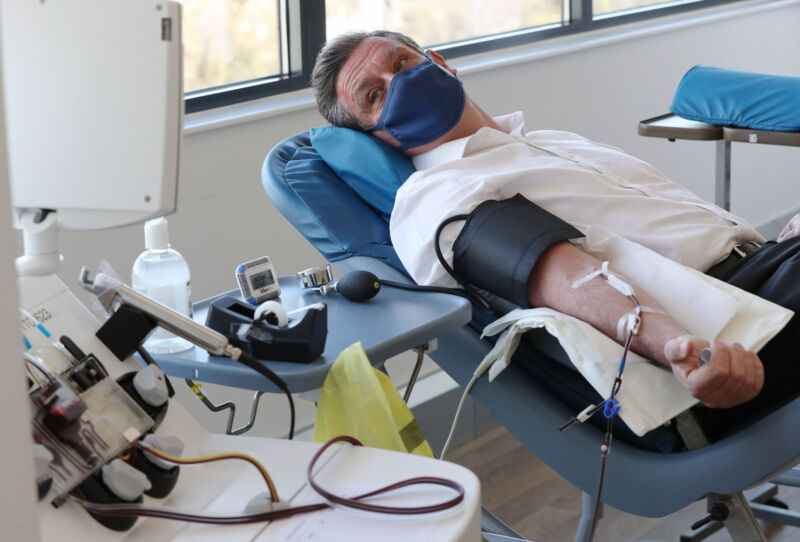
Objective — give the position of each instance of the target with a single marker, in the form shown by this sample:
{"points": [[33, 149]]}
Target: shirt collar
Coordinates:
{"points": [[512, 125]]}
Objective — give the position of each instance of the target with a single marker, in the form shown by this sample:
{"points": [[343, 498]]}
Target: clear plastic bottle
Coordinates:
{"points": [[162, 274]]}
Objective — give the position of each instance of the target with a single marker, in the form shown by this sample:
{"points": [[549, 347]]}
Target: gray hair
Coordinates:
{"points": [[330, 60]]}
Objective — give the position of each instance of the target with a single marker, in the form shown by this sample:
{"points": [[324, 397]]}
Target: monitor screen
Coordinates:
{"points": [[260, 280], [94, 108]]}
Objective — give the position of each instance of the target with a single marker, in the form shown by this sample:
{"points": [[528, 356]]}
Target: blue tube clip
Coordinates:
{"points": [[611, 408]]}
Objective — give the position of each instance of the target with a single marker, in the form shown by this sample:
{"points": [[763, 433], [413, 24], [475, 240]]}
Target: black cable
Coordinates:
{"points": [[475, 296], [416, 288], [356, 502], [250, 361]]}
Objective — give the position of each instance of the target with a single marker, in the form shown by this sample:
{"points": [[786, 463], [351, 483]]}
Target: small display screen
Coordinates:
{"points": [[262, 280]]}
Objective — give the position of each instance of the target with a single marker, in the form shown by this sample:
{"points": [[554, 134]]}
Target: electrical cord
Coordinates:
{"points": [[416, 288], [356, 503], [136, 510], [209, 459], [246, 359], [474, 295]]}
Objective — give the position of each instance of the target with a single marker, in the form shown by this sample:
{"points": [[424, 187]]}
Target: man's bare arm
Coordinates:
{"points": [[733, 376]]}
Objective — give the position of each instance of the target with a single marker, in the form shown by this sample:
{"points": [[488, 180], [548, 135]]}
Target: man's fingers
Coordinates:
{"points": [[733, 376], [792, 229], [708, 383], [676, 349]]}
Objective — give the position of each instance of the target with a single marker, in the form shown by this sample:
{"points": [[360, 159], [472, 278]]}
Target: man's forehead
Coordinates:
{"points": [[372, 50]]}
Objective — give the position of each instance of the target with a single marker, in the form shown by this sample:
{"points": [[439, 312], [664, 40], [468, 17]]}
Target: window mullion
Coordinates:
{"points": [[312, 22], [580, 16]]}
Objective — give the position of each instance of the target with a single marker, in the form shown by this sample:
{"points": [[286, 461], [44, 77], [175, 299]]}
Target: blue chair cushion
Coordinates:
{"points": [[373, 169], [736, 98], [308, 193]]}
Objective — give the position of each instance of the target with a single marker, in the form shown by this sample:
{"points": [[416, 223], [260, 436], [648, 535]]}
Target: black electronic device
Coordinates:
{"points": [[302, 340]]}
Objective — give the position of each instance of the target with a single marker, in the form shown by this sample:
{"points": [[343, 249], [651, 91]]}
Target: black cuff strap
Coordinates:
{"points": [[501, 243]]}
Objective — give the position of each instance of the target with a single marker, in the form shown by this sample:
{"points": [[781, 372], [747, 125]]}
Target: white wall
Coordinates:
{"points": [[17, 493], [598, 85]]}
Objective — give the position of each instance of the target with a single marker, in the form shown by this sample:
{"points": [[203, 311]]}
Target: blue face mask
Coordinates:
{"points": [[423, 103]]}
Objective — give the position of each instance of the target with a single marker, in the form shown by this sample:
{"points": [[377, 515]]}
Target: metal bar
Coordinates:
{"points": [[415, 373], [775, 514], [742, 524], [789, 478], [584, 531], [227, 405], [722, 183]]}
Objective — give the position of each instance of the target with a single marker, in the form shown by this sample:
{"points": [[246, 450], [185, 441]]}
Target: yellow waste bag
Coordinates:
{"points": [[362, 402]]}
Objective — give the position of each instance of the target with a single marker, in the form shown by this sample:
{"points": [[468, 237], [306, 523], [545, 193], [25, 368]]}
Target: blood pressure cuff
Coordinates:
{"points": [[501, 242]]}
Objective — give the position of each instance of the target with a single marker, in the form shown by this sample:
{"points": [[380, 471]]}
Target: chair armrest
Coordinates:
{"points": [[373, 265]]}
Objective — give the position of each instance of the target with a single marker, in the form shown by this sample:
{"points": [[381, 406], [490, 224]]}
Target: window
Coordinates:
{"points": [[442, 21], [229, 41], [239, 50]]}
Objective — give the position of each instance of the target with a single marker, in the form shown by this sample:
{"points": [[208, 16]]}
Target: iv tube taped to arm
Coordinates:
{"points": [[632, 323]]}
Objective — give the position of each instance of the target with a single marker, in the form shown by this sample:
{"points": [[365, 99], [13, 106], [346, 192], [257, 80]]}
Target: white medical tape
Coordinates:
{"points": [[631, 321], [586, 413], [617, 283]]}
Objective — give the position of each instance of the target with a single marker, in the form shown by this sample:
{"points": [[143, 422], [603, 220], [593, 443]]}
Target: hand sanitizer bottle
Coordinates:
{"points": [[162, 274]]}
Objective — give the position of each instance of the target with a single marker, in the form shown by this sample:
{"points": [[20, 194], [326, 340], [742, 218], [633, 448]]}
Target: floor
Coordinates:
{"points": [[536, 502]]}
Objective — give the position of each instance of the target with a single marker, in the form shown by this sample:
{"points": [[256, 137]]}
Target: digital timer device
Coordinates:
{"points": [[257, 280]]}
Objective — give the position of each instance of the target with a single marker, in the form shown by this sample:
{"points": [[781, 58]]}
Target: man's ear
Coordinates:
{"points": [[440, 61]]}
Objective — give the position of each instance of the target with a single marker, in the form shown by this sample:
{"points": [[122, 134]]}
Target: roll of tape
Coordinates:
{"points": [[273, 312]]}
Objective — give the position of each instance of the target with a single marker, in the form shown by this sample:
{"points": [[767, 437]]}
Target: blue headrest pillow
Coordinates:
{"points": [[373, 169], [736, 98]]}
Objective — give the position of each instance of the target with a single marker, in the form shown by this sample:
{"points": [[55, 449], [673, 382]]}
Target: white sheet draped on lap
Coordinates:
{"points": [[706, 307]]}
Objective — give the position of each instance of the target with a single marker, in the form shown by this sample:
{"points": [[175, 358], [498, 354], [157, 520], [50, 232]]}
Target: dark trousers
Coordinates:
{"points": [[773, 273]]}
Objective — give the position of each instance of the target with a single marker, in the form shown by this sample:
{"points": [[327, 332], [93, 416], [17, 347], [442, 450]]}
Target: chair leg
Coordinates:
{"points": [[766, 506], [789, 478], [742, 524], [584, 531]]}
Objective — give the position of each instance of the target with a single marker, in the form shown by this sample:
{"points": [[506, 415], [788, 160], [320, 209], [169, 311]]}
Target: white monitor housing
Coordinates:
{"points": [[94, 113]]}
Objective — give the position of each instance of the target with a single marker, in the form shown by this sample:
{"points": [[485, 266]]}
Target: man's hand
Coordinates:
{"points": [[792, 229], [733, 376]]}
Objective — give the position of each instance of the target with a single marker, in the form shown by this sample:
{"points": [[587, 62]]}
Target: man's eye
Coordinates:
{"points": [[374, 95], [401, 63]]}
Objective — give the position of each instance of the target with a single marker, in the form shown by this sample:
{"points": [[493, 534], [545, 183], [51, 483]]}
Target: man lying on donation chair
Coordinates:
{"points": [[385, 84]]}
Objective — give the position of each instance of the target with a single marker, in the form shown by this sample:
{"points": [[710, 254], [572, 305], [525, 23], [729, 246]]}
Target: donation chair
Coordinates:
{"points": [[351, 232]]}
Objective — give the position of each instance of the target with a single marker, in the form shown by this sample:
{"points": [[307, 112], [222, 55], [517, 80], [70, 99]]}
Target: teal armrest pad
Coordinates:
{"points": [[736, 98]]}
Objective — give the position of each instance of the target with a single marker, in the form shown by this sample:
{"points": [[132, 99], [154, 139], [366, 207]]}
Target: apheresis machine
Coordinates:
{"points": [[94, 113]]}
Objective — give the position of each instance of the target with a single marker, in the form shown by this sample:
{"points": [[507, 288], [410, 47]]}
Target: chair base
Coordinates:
{"points": [[762, 505], [495, 530]]}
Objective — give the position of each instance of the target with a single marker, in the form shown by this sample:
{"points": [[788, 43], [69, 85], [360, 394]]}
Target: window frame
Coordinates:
{"points": [[303, 29]]}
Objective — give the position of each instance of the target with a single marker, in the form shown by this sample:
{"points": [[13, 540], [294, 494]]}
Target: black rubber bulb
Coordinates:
{"points": [[358, 286]]}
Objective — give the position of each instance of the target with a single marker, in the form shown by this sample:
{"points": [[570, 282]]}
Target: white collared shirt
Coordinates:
{"points": [[582, 182]]}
